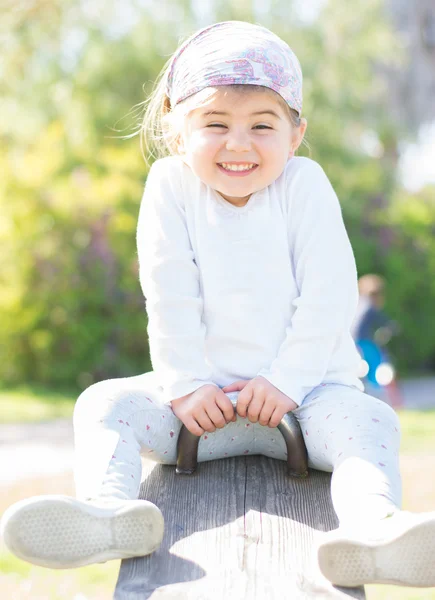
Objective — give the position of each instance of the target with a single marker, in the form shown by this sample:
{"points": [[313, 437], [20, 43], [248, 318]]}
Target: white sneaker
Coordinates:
{"points": [[61, 532], [399, 550]]}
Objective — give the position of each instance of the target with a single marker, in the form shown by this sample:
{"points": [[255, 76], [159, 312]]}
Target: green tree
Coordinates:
{"points": [[73, 75]]}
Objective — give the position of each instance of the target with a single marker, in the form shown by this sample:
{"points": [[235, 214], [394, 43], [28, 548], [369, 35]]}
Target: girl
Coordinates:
{"points": [[250, 287]]}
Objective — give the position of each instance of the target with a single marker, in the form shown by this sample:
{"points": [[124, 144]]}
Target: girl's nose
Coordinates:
{"points": [[238, 142]]}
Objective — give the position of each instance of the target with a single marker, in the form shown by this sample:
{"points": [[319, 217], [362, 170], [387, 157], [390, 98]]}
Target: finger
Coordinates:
{"points": [[243, 401], [265, 413], [237, 386], [215, 415], [276, 417], [255, 406], [193, 426], [226, 407], [204, 421]]}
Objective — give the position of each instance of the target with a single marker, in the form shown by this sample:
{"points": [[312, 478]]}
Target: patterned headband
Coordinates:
{"points": [[235, 52]]}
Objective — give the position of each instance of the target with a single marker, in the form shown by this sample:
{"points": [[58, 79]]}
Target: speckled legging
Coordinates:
{"points": [[346, 432]]}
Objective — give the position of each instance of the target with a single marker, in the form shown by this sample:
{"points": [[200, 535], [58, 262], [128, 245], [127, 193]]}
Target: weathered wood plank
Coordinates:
{"points": [[286, 518], [239, 528], [201, 516]]}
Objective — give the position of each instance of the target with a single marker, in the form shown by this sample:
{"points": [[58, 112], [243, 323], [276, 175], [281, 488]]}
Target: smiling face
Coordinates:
{"points": [[240, 141]]}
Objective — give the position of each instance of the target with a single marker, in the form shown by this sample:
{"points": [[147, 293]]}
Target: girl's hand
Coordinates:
{"points": [[260, 401], [205, 409]]}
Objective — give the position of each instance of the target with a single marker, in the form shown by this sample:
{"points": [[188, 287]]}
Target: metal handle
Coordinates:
{"points": [[297, 457]]}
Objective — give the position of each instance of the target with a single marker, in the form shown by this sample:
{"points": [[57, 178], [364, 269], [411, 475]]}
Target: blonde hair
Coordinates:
{"points": [[371, 285], [162, 124]]}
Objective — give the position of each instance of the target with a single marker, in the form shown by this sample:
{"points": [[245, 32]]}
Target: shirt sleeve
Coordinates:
{"points": [[170, 282], [378, 319], [325, 272]]}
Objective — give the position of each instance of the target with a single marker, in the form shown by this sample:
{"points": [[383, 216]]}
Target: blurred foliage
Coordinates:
{"points": [[72, 77], [409, 262]]}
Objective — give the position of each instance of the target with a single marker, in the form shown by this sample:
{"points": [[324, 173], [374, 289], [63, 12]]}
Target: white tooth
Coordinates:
{"points": [[229, 167]]}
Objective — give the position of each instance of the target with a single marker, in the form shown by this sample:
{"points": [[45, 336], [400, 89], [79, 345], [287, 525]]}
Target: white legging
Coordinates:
{"points": [[346, 432]]}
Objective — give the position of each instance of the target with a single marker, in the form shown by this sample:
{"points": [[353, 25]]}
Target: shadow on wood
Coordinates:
{"points": [[240, 529]]}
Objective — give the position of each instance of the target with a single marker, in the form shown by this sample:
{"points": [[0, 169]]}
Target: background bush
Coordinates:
{"points": [[71, 307]]}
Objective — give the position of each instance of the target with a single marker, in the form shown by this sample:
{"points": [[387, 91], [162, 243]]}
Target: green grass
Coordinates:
{"points": [[22, 581], [418, 427], [31, 403], [27, 404], [390, 592]]}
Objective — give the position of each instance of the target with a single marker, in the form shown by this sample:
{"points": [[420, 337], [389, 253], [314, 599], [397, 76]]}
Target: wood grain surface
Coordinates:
{"points": [[238, 529]]}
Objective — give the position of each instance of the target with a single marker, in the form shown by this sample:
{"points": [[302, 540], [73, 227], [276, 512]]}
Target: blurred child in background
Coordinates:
{"points": [[372, 330]]}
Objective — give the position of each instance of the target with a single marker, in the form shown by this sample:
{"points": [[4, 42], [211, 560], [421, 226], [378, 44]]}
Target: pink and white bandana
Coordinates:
{"points": [[235, 52]]}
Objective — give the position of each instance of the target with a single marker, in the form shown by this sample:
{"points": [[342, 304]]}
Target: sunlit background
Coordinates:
{"points": [[73, 77]]}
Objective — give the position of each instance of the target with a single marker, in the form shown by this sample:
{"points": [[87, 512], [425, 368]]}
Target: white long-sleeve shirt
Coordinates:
{"points": [[266, 289]]}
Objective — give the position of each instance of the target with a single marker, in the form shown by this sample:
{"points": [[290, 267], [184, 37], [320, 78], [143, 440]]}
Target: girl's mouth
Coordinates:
{"points": [[237, 169]]}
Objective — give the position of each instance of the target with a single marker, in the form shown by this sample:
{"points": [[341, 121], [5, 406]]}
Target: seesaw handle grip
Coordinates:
{"points": [[297, 457]]}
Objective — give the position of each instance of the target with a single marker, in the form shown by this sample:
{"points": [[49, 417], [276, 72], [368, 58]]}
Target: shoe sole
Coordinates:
{"points": [[60, 532], [408, 559]]}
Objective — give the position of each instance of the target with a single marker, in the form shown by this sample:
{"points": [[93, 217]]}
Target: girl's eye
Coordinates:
{"points": [[221, 125]]}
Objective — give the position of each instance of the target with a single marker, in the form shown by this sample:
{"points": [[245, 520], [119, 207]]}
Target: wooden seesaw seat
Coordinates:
{"points": [[238, 529]]}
